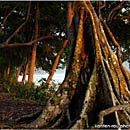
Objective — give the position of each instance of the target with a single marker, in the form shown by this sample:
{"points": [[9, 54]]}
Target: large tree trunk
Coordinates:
{"points": [[33, 58], [94, 85]]}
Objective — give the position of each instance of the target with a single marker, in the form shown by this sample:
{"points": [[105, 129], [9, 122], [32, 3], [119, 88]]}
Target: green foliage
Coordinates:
{"points": [[52, 86], [6, 86], [39, 94], [52, 22]]}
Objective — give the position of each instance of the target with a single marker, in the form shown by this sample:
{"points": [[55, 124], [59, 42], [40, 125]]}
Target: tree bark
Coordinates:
{"points": [[33, 58], [5, 75], [56, 62], [112, 12], [94, 81], [26, 70], [3, 45], [18, 72], [8, 70]]}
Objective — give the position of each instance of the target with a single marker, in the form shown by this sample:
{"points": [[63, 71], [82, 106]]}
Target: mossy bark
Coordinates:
{"points": [[94, 81]]}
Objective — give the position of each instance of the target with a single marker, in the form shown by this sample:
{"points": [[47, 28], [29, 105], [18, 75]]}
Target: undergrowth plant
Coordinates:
{"points": [[39, 94]]}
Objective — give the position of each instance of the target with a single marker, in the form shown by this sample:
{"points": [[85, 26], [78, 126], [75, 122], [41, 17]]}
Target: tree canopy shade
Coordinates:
{"points": [[20, 33], [96, 86]]}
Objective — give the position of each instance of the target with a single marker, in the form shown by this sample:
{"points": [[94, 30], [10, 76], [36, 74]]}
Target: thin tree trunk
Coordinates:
{"points": [[8, 70], [26, 70], [18, 72], [33, 58], [5, 75], [56, 62]]}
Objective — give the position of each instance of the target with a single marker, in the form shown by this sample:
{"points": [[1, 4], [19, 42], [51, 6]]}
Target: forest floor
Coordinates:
{"points": [[11, 109]]}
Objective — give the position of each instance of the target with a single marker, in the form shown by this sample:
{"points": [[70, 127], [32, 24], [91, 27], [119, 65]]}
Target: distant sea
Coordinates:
{"points": [[58, 76]]}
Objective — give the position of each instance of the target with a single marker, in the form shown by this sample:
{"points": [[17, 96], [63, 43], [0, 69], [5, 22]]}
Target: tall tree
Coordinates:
{"points": [[18, 72], [95, 85], [34, 49], [56, 62], [21, 34], [26, 70]]}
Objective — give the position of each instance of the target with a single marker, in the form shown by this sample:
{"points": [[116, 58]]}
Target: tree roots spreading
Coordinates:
{"points": [[94, 88]]}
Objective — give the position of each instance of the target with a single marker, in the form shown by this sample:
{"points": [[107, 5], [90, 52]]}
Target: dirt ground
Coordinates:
{"points": [[12, 109]]}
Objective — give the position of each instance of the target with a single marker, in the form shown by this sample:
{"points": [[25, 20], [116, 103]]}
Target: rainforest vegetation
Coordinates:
{"points": [[90, 38]]}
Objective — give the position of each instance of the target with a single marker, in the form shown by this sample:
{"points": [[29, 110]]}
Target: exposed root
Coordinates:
{"points": [[61, 99], [88, 102], [97, 36], [118, 53], [30, 116], [106, 77], [58, 122], [111, 110], [7, 124], [116, 73]]}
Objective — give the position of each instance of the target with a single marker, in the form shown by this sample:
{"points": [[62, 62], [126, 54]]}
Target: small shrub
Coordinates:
{"points": [[41, 94]]}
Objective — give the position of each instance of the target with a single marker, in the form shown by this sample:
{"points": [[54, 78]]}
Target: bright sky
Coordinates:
{"points": [[58, 75]]}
